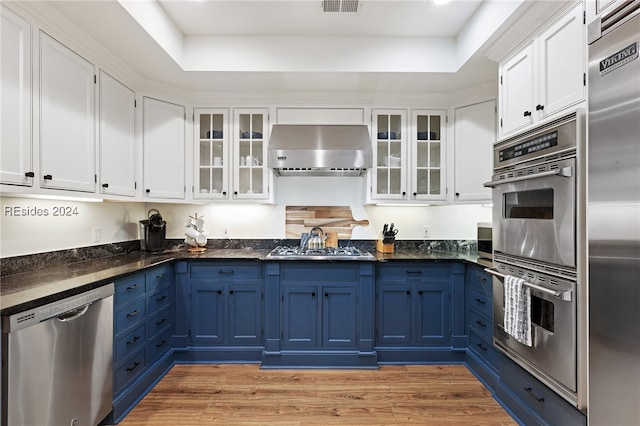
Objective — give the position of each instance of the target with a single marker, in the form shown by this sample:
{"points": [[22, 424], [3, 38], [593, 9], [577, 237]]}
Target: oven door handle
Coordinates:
{"points": [[564, 172], [563, 295]]}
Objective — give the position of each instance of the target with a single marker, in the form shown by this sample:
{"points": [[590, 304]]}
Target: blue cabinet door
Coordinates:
{"points": [[432, 313], [300, 317], [245, 314], [394, 316], [207, 313], [339, 317]]}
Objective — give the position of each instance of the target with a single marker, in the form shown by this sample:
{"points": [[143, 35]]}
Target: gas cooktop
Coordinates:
{"points": [[329, 253]]}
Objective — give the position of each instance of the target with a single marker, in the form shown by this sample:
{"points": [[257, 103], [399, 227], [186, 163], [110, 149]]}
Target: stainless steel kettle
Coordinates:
{"points": [[316, 239]]}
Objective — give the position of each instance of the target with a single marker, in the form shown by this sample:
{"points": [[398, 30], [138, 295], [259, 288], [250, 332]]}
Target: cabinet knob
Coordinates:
{"points": [[408, 292], [47, 177], [457, 194], [415, 194], [404, 193], [224, 192], [539, 107], [313, 294], [527, 113], [147, 190], [105, 185], [30, 174], [235, 192], [231, 292]]}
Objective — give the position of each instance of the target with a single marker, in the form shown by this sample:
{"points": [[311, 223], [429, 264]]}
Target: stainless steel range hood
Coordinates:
{"points": [[320, 150]]}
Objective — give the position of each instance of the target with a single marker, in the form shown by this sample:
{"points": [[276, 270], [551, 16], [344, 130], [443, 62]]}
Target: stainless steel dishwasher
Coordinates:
{"points": [[57, 362]]}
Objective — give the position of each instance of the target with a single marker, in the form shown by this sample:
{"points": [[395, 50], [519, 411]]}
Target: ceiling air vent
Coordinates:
{"points": [[347, 6]]}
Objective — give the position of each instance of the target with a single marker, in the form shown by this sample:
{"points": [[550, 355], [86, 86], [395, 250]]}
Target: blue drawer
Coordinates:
{"points": [[159, 321], [158, 277], [130, 341], [159, 300], [129, 288], [226, 271], [480, 303], [538, 398], [130, 369], [158, 346], [481, 325], [405, 270], [485, 350], [130, 314], [479, 280]]}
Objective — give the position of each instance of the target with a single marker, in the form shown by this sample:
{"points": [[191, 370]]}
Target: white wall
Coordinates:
{"points": [[36, 230]]}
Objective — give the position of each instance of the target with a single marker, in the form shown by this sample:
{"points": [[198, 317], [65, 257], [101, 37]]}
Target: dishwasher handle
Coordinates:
{"points": [[74, 313]]}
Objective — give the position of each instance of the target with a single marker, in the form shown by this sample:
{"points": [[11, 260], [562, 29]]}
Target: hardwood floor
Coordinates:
{"points": [[228, 394]]}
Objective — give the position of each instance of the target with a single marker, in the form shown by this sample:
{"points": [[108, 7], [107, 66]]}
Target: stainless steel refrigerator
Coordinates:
{"points": [[613, 217]]}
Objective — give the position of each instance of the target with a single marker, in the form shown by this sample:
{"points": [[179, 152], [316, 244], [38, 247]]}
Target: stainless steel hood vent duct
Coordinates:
{"points": [[320, 150]]}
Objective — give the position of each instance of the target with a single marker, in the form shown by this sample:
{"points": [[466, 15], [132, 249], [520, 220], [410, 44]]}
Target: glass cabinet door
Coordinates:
{"points": [[389, 173], [251, 134], [428, 149], [211, 154]]}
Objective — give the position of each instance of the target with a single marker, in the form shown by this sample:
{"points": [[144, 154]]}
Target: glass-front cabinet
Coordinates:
{"points": [[428, 144], [251, 175], [230, 154], [212, 154], [389, 174]]}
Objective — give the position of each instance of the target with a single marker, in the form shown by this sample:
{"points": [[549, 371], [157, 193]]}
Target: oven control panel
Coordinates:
{"points": [[539, 143]]}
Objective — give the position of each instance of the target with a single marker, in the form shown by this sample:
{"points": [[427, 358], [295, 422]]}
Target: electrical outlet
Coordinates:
{"points": [[225, 231], [97, 235], [426, 232]]}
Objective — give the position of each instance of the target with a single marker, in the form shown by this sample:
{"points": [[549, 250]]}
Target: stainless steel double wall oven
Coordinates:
{"points": [[537, 236]]}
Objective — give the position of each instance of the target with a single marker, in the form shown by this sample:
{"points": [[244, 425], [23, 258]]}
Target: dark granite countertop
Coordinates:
{"points": [[22, 291]]}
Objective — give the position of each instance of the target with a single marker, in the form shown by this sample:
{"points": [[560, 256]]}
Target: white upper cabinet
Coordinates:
{"points": [[251, 176], [562, 69], [117, 137], [67, 118], [545, 77], [409, 156], [517, 88], [428, 155], [163, 136], [389, 175], [212, 154], [16, 165], [475, 134]]}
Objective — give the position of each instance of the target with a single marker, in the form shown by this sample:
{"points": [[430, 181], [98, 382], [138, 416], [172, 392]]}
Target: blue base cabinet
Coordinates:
{"points": [[221, 315], [420, 312], [319, 315], [143, 321]]}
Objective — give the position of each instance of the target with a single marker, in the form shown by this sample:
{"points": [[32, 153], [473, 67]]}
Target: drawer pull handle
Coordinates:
{"points": [[158, 277], [481, 323], [132, 341], [481, 346], [133, 367], [527, 113], [231, 292], [30, 174], [160, 299], [225, 271], [133, 314], [161, 344], [480, 301], [47, 177], [313, 294], [133, 287], [530, 392], [162, 321], [413, 271], [408, 292], [481, 277]]}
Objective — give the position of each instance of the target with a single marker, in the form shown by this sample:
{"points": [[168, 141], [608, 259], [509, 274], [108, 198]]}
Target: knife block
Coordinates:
{"points": [[384, 247]]}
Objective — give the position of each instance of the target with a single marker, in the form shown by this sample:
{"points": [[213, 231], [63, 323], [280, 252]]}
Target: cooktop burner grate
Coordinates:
{"points": [[329, 253]]}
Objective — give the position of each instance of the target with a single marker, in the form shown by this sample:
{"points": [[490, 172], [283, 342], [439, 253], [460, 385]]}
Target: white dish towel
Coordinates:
{"points": [[517, 309]]}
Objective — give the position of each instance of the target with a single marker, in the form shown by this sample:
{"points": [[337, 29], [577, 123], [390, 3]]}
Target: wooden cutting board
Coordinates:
{"points": [[338, 219]]}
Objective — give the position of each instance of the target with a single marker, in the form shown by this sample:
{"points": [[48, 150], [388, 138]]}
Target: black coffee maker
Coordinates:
{"points": [[153, 232]]}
